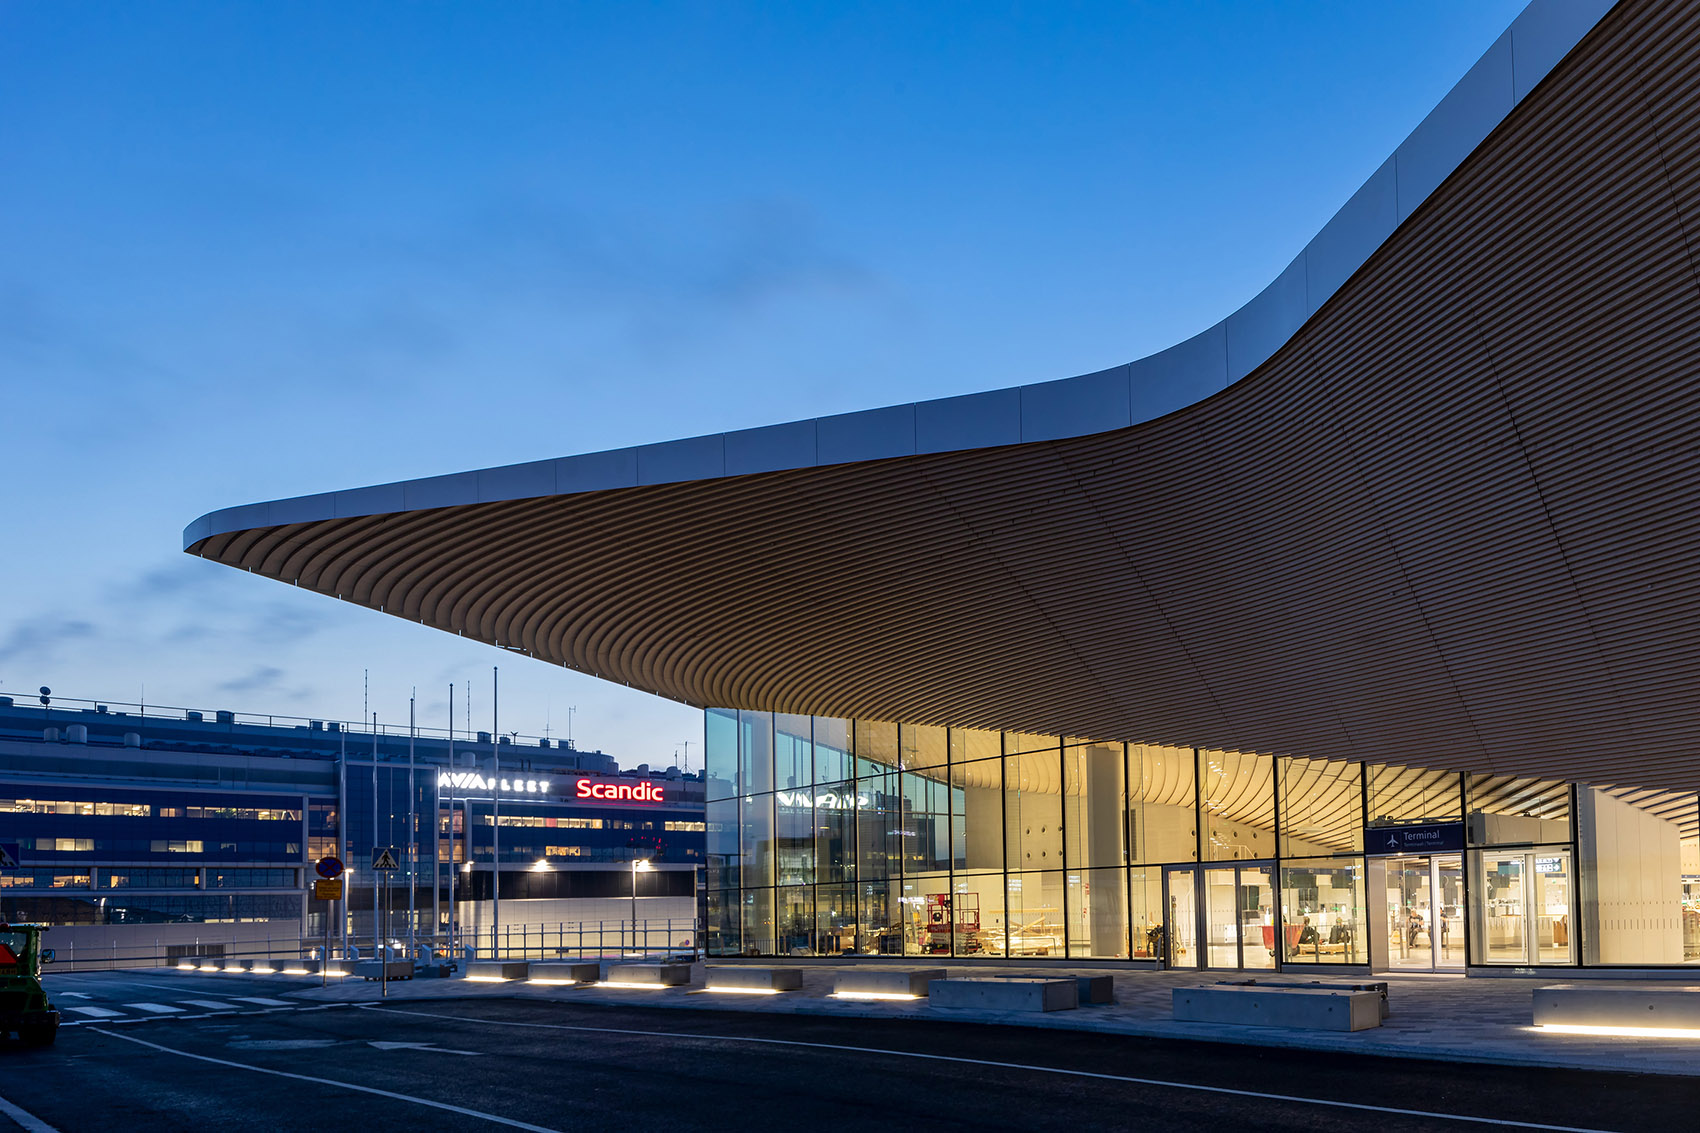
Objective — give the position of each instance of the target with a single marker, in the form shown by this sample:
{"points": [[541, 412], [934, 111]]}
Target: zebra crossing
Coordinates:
{"points": [[75, 1013]]}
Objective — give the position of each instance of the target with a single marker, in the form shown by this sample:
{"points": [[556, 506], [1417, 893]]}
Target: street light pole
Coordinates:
{"points": [[496, 813], [638, 865]]}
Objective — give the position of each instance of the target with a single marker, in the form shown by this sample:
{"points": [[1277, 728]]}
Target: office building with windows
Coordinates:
{"points": [[1355, 629], [157, 833]]}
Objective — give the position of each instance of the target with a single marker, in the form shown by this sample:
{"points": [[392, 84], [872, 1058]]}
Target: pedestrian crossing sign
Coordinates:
{"points": [[8, 855], [383, 860]]}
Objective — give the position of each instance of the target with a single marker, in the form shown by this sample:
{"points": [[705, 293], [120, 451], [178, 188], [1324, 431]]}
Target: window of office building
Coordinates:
{"points": [[1238, 793], [44, 879], [1640, 875], [1323, 911], [1321, 808], [1162, 804]]}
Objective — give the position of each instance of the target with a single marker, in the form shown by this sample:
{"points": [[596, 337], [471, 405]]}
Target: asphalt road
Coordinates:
{"points": [[471, 1064]]}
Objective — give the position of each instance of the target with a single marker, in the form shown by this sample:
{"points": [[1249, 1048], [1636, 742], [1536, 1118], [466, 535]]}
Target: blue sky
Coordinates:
{"points": [[259, 250]]}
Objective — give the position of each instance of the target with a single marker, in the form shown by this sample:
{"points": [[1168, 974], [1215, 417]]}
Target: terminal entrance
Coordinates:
{"points": [[1220, 916], [1423, 904]]}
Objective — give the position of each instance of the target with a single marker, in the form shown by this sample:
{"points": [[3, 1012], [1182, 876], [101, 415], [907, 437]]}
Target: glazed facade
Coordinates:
{"points": [[840, 837]]}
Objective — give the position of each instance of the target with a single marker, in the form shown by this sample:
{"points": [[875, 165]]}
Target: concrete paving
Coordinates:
{"points": [[1448, 1018]]}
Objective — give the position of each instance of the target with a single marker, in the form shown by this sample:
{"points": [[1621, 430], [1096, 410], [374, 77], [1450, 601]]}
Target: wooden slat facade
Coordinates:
{"points": [[1450, 524]]}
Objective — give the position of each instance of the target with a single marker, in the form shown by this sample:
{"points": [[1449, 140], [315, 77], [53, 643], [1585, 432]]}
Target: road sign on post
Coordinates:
{"points": [[383, 861], [327, 890], [329, 868], [8, 855]]}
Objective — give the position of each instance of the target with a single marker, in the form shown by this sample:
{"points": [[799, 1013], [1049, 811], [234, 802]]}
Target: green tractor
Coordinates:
{"points": [[23, 1005]]}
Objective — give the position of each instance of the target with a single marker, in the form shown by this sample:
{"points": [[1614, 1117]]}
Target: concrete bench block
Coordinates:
{"points": [[650, 975], [1306, 1008], [1327, 985], [1006, 993], [567, 971], [1578, 1005], [1092, 989], [885, 981], [498, 969], [376, 969], [741, 978]]}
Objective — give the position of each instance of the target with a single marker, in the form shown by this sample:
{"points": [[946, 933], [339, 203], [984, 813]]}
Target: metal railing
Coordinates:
{"points": [[590, 940]]}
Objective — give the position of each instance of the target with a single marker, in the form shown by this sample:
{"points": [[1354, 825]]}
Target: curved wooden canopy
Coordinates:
{"points": [[1449, 523]]}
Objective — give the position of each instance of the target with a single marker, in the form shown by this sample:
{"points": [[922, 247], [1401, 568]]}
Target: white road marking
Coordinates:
{"points": [[262, 1001], [508, 1121], [29, 1121], [1292, 1098], [75, 995], [156, 1008], [212, 1004], [97, 1012], [422, 1046]]}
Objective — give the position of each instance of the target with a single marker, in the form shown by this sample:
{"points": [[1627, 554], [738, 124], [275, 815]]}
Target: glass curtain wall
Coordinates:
{"points": [[838, 837], [1523, 878], [1322, 863]]}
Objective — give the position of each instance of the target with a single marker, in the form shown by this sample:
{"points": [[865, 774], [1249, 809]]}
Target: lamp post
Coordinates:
{"points": [[639, 865]]}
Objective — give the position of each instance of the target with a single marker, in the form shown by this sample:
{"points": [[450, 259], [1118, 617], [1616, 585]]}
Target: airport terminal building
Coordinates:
{"points": [[1357, 629]]}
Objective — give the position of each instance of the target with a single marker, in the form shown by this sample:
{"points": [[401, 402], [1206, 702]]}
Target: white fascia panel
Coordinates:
{"points": [[975, 420], [772, 448], [367, 501], [441, 491], [1189, 371], [516, 481], [694, 458], [1264, 325], [597, 471], [1544, 33], [872, 434], [1075, 407], [1452, 130], [1348, 240]]}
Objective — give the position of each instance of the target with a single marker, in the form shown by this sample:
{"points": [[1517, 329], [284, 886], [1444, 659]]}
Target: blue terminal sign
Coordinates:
{"points": [[1430, 838]]}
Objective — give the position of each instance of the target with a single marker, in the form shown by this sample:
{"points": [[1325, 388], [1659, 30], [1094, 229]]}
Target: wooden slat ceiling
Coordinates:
{"points": [[1450, 524]]}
